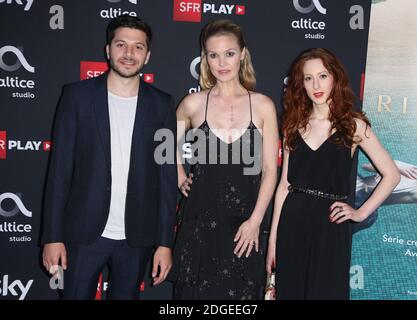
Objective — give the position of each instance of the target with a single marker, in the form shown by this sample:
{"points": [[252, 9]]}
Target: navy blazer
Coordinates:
{"points": [[78, 189]]}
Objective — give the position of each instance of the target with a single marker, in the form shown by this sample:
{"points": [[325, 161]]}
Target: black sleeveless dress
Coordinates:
{"points": [[313, 254], [222, 197]]}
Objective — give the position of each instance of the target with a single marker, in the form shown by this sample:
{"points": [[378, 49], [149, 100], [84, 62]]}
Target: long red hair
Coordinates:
{"points": [[298, 106]]}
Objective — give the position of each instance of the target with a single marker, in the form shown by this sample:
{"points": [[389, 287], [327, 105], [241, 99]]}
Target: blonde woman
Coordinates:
{"points": [[217, 254]]}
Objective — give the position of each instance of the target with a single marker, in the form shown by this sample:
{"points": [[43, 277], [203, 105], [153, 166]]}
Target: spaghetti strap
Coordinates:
{"points": [[250, 106], [205, 116]]}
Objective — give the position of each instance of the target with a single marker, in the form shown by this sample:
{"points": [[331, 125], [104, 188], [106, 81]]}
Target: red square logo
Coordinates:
{"points": [[187, 10], [148, 77], [3, 148], [91, 69], [240, 10], [47, 145]]}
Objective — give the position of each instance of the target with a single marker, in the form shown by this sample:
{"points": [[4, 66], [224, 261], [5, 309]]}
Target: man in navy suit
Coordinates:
{"points": [[108, 201]]}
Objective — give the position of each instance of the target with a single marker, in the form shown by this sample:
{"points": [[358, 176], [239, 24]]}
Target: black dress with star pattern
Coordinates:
{"points": [[223, 195]]}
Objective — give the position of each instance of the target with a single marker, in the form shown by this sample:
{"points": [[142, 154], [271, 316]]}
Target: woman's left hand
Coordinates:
{"points": [[340, 212], [247, 237]]}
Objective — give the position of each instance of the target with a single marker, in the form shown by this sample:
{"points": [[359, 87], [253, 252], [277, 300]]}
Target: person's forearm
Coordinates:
{"points": [[182, 175], [282, 193], [266, 191], [381, 192]]}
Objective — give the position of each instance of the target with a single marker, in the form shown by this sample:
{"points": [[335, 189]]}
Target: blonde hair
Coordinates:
{"points": [[225, 27]]}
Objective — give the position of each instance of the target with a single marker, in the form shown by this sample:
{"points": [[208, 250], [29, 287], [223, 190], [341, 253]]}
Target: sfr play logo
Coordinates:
{"points": [[191, 10], [21, 145]]}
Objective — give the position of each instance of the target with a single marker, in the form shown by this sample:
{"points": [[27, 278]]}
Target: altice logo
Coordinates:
{"points": [[14, 81], [19, 206], [21, 60], [308, 23], [194, 67], [314, 4]]}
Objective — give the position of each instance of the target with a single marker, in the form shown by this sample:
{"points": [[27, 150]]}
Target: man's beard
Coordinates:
{"points": [[124, 74]]}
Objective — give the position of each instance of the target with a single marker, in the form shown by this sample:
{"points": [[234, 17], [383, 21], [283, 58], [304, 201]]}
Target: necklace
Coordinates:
{"points": [[232, 115]]}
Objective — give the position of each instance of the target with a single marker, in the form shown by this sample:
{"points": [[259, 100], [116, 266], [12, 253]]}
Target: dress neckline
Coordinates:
{"points": [[319, 147], [250, 126]]}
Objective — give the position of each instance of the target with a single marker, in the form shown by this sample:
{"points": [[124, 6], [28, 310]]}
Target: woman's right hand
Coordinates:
{"points": [[186, 185], [270, 257]]}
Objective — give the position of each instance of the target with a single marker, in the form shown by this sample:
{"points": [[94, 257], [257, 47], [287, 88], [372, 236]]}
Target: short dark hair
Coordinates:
{"points": [[127, 21]]}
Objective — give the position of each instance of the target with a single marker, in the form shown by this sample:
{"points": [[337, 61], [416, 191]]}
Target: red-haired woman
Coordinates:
{"points": [[310, 239]]}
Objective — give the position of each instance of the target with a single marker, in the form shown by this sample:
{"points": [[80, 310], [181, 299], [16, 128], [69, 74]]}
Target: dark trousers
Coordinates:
{"points": [[127, 267]]}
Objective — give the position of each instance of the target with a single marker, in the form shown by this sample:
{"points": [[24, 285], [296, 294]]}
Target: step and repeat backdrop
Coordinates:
{"points": [[45, 44]]}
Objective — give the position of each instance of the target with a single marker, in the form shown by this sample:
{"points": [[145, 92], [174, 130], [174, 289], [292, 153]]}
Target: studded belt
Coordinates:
{"points": [[317, 193]]}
